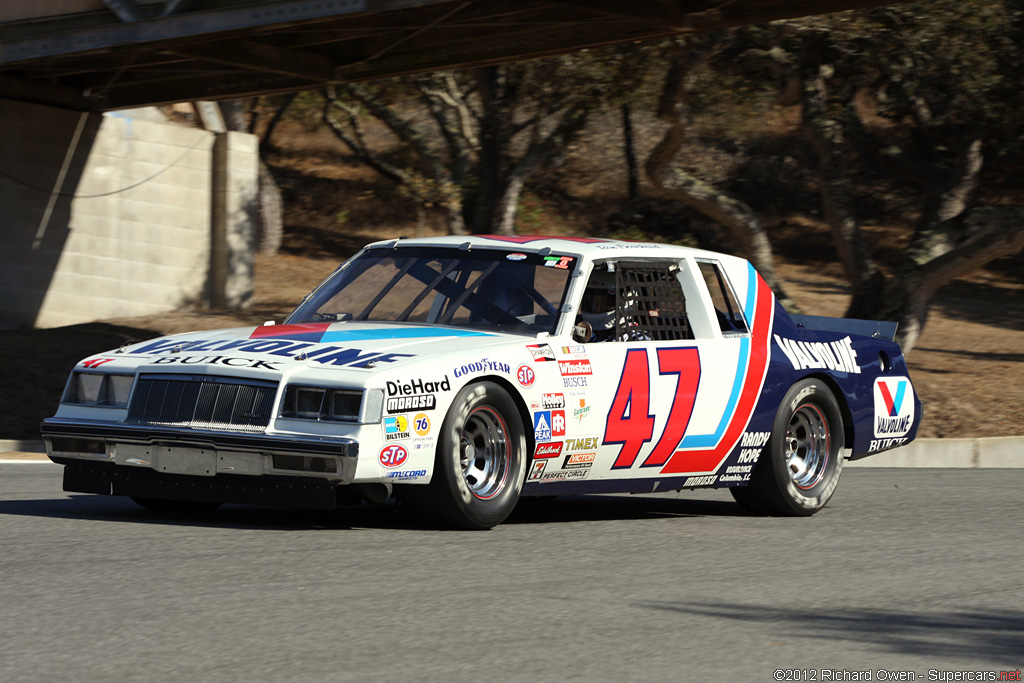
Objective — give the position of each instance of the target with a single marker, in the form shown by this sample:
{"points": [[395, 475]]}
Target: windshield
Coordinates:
{"points": [[479, 288]]}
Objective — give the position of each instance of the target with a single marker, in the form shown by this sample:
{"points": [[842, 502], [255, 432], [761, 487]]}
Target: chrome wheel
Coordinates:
{"points": [[807, 446], [798, 469], [484, 453], [480, 460]]}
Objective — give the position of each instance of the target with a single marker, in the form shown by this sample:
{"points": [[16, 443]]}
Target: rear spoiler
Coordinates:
{"points": [[867, 328]]}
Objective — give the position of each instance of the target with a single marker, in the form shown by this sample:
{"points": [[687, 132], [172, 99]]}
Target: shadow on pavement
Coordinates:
{"points": [[560, 510], [996, 635]]}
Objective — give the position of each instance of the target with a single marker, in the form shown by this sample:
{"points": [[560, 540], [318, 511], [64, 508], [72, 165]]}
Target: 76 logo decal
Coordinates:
{"points": [[630, 421]]}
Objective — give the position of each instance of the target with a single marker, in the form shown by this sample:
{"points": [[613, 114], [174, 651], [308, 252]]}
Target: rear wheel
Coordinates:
{"points": [[799, 469], [480, 460]]}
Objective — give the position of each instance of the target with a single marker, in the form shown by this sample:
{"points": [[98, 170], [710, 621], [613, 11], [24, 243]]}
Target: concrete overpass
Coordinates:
{"points": [[101, 55], [109, 213]]}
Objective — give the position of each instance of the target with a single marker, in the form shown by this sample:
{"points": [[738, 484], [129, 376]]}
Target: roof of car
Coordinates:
{"points": [[588, 247]]}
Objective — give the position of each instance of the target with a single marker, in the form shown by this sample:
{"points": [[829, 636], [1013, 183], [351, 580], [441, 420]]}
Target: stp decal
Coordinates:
{"points": [[393, 455], [525, 375], [894, 407]]}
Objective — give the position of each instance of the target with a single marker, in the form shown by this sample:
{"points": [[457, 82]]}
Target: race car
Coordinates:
{"points": [[459, 374]]}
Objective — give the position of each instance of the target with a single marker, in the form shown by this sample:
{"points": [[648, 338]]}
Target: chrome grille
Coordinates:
{"points": [[202, 402]]}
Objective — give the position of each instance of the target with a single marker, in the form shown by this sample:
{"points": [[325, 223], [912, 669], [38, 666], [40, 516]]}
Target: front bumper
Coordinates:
{"points": [[199, 465]]}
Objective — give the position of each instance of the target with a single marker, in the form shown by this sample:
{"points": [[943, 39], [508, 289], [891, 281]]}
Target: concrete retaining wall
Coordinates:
{"points": [[113, 215]]}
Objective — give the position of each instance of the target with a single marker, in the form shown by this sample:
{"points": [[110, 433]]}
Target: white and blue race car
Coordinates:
{"points": [[459, 374]]}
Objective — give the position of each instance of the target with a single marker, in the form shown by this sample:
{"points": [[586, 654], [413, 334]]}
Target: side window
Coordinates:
{"points": [[727, 309], [635, 302]]}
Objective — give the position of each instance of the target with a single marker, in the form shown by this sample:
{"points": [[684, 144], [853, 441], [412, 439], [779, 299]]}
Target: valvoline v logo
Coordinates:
{"points": [[894, 406]]}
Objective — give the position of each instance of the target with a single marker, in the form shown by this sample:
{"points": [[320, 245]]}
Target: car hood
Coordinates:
{"points": [[277, 349]]}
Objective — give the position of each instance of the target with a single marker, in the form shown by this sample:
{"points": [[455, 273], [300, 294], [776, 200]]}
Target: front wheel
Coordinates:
{"points": [[480, 460], [799, 469]]}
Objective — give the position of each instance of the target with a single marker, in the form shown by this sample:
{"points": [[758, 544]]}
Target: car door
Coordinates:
{"points": [[668, 388]]}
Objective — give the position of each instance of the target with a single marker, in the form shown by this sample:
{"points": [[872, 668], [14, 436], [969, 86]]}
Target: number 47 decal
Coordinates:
{"points": [[630, 422]]}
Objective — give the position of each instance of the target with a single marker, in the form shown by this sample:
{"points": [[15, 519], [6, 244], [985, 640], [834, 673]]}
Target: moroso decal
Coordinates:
{"points": [[705, 452]]}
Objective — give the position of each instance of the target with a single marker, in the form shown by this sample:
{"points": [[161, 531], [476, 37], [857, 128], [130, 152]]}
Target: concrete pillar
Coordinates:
{"points": [[234, 219]]}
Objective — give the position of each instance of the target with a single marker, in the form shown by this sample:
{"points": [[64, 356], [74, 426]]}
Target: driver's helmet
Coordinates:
{"points": [[598, 305]]}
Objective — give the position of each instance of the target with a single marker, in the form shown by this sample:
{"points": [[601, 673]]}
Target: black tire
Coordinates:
{"points": [[186, 506], [799, 468], [480, 461]]}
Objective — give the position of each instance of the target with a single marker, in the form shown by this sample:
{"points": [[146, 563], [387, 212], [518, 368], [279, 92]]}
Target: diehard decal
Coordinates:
{"points": [[406, 397], [417, 386]]}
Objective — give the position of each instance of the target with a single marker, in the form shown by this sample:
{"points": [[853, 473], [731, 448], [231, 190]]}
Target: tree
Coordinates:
{"points": [[913, 95], [486, 132], [690, 54], [270, 226], [945, 76]]}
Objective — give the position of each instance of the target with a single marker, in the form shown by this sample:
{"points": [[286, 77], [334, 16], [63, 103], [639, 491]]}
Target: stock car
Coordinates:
{"points": [[458, 374]]}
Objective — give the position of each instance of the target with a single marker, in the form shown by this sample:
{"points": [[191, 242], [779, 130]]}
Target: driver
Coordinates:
{"points": [[598, 308]]}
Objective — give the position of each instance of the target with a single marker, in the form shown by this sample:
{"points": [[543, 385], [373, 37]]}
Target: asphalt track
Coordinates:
{"points": [[907, 570]]}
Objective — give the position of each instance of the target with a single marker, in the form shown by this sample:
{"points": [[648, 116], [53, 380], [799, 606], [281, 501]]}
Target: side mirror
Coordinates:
{"points": [[582, 332]]}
